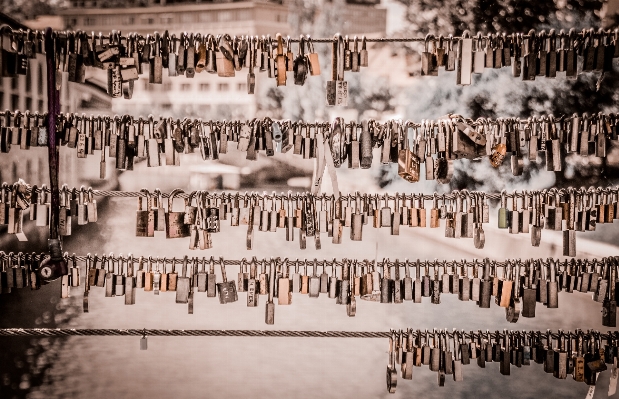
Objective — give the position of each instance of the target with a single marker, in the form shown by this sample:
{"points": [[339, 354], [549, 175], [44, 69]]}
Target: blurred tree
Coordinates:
{"points": [[495, 93], [29, 9]]}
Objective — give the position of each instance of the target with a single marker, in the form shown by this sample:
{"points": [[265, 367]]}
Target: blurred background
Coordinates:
{"points": [[391, 87]]}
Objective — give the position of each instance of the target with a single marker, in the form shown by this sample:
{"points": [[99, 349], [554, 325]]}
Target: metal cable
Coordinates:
{"points": [[463, 194], [476, 123], [72, 332], [476, 264], [139, 37], [65, 332], [561, 263]]}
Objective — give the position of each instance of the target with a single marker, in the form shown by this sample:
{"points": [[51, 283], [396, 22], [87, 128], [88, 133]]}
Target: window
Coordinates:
{"points": [[166, 106], [205, 86], [28, 103], [167, 19], [185, 87], [41, 105], [188, 17], [207, 17], [224, 16], [167, 86], [14, 101], [223, 87], [108, 21], [241, 87], [148, 20], [71, 22], [15, 83], [89, 21], [128, 20]]}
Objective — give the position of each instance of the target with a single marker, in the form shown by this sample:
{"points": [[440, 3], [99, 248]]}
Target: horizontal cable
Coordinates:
{"points": [[118, 36], [412, 264], [127, 118], [72, 332], [435, 143], [463, 194], [65, 332]]}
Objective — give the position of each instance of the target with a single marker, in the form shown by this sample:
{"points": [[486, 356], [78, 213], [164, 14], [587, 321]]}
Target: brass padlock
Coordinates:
{"points": [[312, 57]]}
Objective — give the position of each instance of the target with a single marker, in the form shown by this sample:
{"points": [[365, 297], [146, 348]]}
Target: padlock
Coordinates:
{"points": [[131, 281], [270, 305], [183, 284], [42, 208], [429, 62], [75, 272], [225, 66], [337, 87], [226, 289], [465, 60], [285, 287], [312, 58], [174, 221], [314, 283]]}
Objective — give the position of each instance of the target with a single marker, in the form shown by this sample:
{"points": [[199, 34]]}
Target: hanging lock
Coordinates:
{"points": [[337, 87], [174, 221], [226, 289], [429, 62]]}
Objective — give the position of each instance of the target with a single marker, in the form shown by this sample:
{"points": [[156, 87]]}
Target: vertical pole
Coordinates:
{"points": [[55, 266]]}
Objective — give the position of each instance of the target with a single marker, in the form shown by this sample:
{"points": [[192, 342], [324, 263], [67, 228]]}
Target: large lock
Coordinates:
{"points": [[429, 62], [175, 221], [55, 266]]}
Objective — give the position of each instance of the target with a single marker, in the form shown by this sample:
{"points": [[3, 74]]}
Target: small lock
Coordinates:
{"points": [[226, 289]]}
